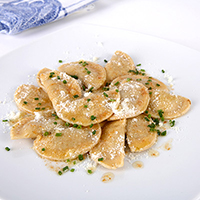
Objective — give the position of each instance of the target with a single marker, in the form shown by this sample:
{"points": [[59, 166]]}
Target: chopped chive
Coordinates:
{"points": [[150, 93], [74, 76], [39, 104], [67, 124], [156, 120], [150, 88], [163, 71], [55, 122], [43, 108], [117, 83], [112, 100], [100, 159], [107, 84], [74, 162], [105, 88], [83, 63], [43, 149], [163, 133], [91, 125], [87, 71], [53, 114], [56, 117], [65, 168], [92, 117], [76, 96], [25, 102], [73, 119], [142, 70], [149, 80], [64, 81], [59, 173], [4, 120], [172, 123], [85, 106], [80, 157], [51, 74], [105, 61], [83, 87], [90, 90], [72, 170], [79, 127], [60, 61], [94, 132], [138, 65], [117, 90], [88, 100], [150, 77], [36, 98], [105, 94], [138, 79], [149, 116], [89, 171], [68, 160], [7, 148], [146, 111], [58, 134], [157, 84], [146, 83], [160, 113], [46, 133], [58, 77], [147, 119], [75, 125], [143, 74], [37, 108], [128, 79]]}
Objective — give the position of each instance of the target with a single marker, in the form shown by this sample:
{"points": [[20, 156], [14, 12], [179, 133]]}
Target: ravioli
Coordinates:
{"points": [[109, 152], [34, 125], [30, 98], [139, 136], [134, 99], [67, 143], [44, 70], [118, 65], [69, 105], [171, 105], [91, 74]]}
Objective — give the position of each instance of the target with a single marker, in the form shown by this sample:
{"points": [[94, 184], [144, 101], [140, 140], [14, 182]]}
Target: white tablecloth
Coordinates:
{"points": [[173, 20]]}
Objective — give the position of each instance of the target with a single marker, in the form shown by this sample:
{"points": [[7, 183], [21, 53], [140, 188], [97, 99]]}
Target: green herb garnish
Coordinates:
{"points": [[92, 117], [117, 83], [76, 96], [100, 159], [7, 148], [172, 123], [58, 134], [89, 171], [74, 76], [80, 157], [105, 94], [46, 133]]}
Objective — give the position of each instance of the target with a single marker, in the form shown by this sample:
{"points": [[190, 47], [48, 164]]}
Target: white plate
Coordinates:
{"points": [[172, 175]]}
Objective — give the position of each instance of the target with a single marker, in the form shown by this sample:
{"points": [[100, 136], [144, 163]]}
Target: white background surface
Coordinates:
{"points": [[174, 20]]}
